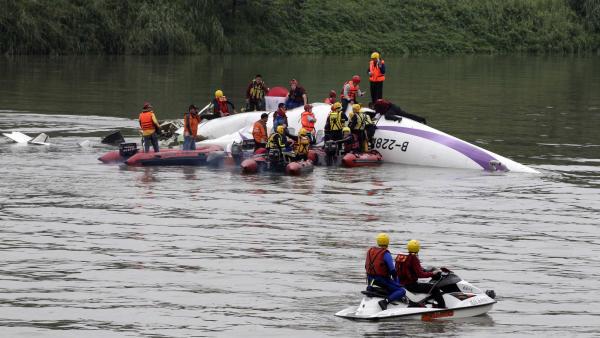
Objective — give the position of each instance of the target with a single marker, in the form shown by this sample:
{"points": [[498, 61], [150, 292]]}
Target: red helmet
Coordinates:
{"points": [[332, 93], [356, 79], [307, 107]]}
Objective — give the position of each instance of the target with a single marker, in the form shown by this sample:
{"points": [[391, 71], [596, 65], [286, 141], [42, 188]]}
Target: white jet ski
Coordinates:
{"points": [[462, 300], [18, 137], [404, 141]]}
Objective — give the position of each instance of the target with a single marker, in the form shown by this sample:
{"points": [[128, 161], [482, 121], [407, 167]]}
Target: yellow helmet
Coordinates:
{"points": [[383, 239], [302, 132], [345, 130], [356, 107], [219, 93], [375, 55], [336, 106], [413, 246], [280, 129]]}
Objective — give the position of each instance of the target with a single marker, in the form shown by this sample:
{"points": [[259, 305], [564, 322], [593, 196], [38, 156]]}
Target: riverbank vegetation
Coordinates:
{"points": [[298, 26]]}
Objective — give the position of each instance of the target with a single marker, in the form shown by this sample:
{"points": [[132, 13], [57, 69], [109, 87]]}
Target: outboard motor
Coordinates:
{"points": [[331, 151], [127, 150], [275, 156], [237, 152]]}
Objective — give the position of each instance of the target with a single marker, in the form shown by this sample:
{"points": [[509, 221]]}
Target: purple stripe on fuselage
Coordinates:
{"points": [[477, 155]]}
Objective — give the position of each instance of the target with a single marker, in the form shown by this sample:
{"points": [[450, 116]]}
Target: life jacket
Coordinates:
{"points": [[335, 120], [374, 264], [146, 121], [276, 142], [306, 124], [361, 121], [375, 70], [405, 273], [190, 123], [351, 92], [302, 145], [259, 131], [257, 90], [223, 106]]}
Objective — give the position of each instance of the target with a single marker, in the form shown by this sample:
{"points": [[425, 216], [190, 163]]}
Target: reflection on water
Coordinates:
{"points": [[109, 250]]}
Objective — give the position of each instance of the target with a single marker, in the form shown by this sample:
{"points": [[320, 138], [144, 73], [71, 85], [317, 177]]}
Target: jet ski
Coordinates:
{"points": [[462, 300], [401, 140]]}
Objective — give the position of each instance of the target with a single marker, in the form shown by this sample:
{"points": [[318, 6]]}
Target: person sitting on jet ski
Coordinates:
{"points": [[349, 141], [409, 271], [381, 271], [393, 112]]}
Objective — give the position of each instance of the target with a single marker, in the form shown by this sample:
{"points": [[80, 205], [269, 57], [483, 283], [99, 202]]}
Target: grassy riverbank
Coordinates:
{"points": [[298, 26]]}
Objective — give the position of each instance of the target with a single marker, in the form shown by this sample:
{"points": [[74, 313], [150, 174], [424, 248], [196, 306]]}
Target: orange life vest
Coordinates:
{"points": [[375, 264], [259, 132], [191, 121], [146, 121], [306, 124], [376, 75], [352, 92]]}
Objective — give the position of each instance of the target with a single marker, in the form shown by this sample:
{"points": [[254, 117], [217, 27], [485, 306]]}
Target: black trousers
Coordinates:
{"points": [[151, 140], [425, 288], [376, 91]]}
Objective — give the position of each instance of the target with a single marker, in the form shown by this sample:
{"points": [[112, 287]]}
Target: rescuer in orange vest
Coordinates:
{"points": [[308, 120], [381, 271], [191, 119], [376, 76], [150, 127], [349, 92], [259, 132]]}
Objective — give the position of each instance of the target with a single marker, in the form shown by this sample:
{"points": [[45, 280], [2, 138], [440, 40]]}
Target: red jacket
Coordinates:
{"points": [[408, 268]]}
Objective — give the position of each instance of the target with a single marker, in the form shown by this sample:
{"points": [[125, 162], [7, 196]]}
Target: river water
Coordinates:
{"points": [[105, 251]]}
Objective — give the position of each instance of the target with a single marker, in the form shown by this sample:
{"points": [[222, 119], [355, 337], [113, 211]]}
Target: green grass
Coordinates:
{"points": [[298, 26]]}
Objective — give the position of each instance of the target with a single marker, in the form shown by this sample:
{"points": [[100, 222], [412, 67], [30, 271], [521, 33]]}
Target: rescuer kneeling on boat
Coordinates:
{"points": [[301, 147], [279, 141], [358, 124], [409, 271], [150, 127], [335, 123], [349, 142], [381, 271]]}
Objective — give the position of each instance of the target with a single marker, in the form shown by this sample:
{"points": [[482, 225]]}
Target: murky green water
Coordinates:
{"points": [[103, 251]]}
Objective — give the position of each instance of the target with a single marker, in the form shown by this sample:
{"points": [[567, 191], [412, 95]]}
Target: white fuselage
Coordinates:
{"points": [[405, 141]]}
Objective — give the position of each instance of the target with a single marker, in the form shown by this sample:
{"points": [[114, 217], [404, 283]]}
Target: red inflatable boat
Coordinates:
{"points": [[164, 157], [371, 158], [206, 155], [298, 168], [260, 163]]}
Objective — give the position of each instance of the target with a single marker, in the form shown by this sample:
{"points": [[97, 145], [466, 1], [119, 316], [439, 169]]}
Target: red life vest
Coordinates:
{"points": [[374, 264], [405, 273], [376, 75], [352, 92], [146, 121], [223, 106]]}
